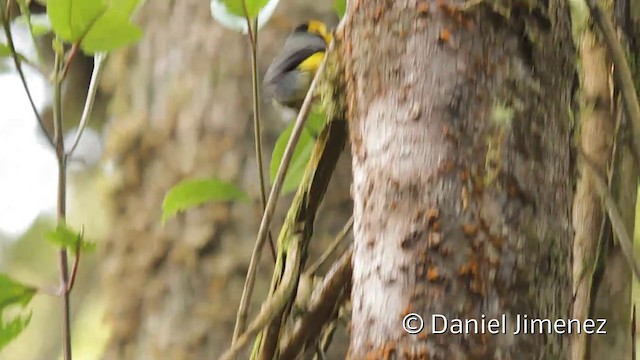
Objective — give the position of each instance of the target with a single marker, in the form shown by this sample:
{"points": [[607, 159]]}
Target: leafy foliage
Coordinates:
{"points": [[11, 329], [97, 25], [13, 293], [301, 154], [230, 13], [253, 7], [190, 193], [64, 236], [4, 50]]}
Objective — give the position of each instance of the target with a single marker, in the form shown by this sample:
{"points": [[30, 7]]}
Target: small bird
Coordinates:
{"points": [[289, 76]]}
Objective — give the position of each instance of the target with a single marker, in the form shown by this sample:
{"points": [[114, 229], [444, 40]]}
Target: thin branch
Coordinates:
{"points": [[257, 132], [72, 54], [274, 306], [272, 201], [334, 245], [62, 204], [325, 300], [16, 60], [76, 262], [619, 229], [622, 72], [98, 61]]}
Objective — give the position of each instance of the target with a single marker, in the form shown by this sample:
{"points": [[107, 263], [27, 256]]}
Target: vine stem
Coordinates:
{"points": [[622, 73], [247, 291]]}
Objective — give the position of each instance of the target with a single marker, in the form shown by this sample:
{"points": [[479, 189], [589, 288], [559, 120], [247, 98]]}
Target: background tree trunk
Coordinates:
{"points": [[181, 109], [463, 175]]}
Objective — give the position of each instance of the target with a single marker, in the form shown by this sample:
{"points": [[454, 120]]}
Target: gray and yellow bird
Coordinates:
{"points": [[290, 74]]}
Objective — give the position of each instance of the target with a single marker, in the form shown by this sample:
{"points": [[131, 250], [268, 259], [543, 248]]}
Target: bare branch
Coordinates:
{"points": [[626, 244], [273, 200], [332, 247], [324, 301], [622, 72]]}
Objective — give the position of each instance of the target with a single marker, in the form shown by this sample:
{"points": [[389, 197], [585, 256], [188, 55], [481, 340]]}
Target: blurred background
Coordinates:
{"points": [[176, 105]]}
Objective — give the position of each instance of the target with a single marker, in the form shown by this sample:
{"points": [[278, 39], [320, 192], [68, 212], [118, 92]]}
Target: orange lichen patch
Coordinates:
{"points": [[445, 36], [468, 268], [451, 11], [433, 274], [432, 215], [470, 230], [406, 309], [423, 8], [497, 241], [464, 196], [434, 239]]}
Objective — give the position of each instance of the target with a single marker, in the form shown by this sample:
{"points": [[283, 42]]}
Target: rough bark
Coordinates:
{"points": [[181, 109], [463, 176]]}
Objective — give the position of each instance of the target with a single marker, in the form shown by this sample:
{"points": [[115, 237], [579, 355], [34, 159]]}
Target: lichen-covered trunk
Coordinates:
{"points": [[181, 108], [460, 124]]}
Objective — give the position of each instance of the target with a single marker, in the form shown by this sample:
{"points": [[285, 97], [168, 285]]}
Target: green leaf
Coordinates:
{"points": [[194, 192], [340, 6], [111, 31], [4, 50], [11, 329], [99, 26], [315, 121], [230, 13], [71, 19], [253, 7], [14, 293], [299, 160], [64, 236]]}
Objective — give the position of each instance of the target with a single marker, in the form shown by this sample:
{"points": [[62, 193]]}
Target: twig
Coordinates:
{"points": [[275, 304], [257, 133], [324, 301], [334, 245], [62, 204], [98, 61], [72, 54], [272, 201], [76, 262], [633, 333], [622, 72], [16, 60], [617, 223]]}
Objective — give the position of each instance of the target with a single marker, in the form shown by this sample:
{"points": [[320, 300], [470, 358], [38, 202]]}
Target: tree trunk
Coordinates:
{"points": [[181, 109], [463, 174]]}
